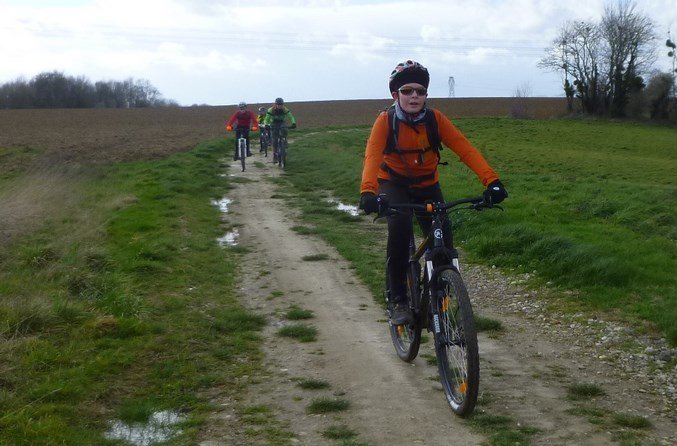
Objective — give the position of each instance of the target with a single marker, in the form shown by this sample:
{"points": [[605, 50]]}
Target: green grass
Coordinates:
{"points": [[591, 209], [339, 433], [122, 307], [327, 405], [583, 391], [313, 384], [315, 257], [296, 313], [485, 324], [501, 430], [304, 333], [631, 421], [304, 230]]}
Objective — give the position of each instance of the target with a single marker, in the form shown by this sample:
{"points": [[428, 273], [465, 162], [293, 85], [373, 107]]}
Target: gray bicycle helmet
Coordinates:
{"points": [[279, 101], [242, 105]]}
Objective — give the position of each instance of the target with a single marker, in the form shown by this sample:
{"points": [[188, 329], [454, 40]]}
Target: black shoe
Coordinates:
{"points": [[236, 158], [249, 154], [401, 314]]}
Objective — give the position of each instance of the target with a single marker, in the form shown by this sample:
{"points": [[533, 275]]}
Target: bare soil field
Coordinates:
{"points": [[71, 138], [109, 135]]}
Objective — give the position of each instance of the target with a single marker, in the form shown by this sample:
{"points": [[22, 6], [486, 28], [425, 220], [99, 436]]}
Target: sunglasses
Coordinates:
{"points": [[408, 91]]}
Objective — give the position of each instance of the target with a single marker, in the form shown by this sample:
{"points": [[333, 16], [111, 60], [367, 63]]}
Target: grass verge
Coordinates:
{"points": [[124, 307]]}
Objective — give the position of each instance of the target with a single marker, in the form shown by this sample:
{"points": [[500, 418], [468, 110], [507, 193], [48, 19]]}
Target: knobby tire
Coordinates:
{"points": [[264, 142], [242, 148], [406, 338], [456, 343]]}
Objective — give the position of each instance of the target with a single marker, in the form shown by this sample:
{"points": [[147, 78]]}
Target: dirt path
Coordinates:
{"points": [[525, 369]]}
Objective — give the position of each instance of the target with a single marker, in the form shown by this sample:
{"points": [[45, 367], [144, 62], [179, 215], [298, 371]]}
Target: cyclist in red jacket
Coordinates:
{"points": [[244, 120]]}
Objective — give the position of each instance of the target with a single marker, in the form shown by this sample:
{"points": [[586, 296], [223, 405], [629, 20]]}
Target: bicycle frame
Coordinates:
{"points": [[432, 250]]}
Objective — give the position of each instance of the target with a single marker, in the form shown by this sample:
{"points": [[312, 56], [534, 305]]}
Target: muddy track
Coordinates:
{"points": [[526, 368]]}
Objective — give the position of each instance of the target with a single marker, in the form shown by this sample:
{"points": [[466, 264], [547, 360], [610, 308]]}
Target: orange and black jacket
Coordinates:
{"points": [[417, 165]]}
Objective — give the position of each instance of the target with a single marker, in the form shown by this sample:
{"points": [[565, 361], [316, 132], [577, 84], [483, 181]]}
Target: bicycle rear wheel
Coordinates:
{"points": [[456, 343], [262, 141], [406, 338]]}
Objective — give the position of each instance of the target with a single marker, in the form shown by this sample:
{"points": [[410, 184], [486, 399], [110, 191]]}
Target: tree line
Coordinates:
{"points": [[57, 90], [607, 67]]}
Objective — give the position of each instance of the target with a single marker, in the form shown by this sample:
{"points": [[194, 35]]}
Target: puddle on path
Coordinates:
{"points": [[229, 239], [160, 427], [222, 204], [347, 208]]}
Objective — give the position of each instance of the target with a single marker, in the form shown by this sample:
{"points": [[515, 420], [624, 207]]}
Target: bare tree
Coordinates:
{"points": [[54, 89], [519, 107], [629, 53], [602, 64], [576, 53]]}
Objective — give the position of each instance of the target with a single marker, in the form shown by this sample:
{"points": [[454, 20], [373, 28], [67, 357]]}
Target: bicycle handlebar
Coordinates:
{"points": [[476, 203]]}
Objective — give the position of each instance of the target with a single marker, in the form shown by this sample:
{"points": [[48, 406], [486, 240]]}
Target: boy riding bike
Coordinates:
{"points": [[401, 159], [244, 120], [275, 118]]}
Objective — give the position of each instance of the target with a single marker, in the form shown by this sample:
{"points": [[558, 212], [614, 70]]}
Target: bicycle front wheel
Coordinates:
{"points": [[456, 343], [243, 152], [406, 338]]}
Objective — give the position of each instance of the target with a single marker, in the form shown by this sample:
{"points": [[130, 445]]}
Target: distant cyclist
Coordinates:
{"points": [[244, 120], [263, 128], [276, 117]]}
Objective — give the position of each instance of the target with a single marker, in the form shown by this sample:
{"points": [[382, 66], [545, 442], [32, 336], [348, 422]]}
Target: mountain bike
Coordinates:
{"points": [[242, 150], [264, 139], [280, 157], [439, 302]]}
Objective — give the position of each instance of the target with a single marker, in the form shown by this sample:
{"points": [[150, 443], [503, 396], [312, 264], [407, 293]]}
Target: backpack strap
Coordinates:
{"points": [[430, 127]]}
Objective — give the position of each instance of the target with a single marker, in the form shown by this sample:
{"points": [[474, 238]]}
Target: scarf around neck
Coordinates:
{"points": [[407, 117]]}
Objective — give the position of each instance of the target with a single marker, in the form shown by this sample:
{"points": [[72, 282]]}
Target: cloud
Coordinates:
{"points": [[269, 47]]}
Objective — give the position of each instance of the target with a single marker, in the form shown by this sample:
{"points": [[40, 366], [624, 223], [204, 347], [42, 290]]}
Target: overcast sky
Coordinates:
{"points": [[221, 52]]}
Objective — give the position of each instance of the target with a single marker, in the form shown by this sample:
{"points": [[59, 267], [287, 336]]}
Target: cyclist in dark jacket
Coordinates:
{"points": [[244, 120]]}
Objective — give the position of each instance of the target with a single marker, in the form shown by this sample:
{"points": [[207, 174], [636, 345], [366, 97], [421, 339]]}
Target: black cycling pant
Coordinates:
{"points": [[276, 130], [242, 132], [400, 226]]}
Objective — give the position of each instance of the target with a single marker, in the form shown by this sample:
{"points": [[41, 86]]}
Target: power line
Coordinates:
{"points": [[296, 41]]}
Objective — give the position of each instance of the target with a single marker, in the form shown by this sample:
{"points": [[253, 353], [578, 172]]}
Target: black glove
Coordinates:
{"points": [[369, 202], [495, 192], [293, 126]]}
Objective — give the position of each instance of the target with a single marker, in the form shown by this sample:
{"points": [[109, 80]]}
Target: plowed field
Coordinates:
{"points": [[105, 135]]}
